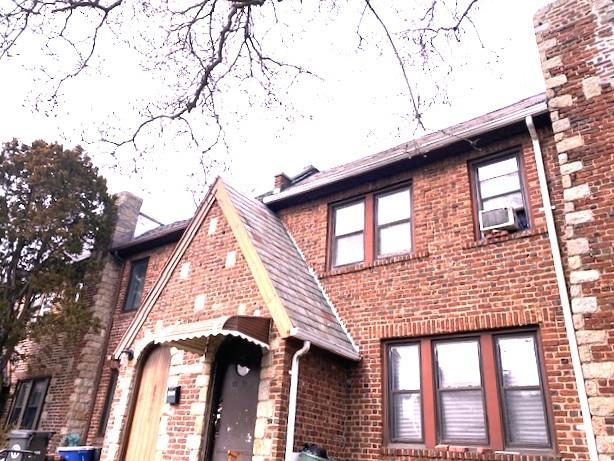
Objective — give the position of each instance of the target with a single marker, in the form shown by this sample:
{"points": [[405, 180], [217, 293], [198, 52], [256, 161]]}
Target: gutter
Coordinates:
{"points": [[410, 149], [293, 397], [564, 296]]}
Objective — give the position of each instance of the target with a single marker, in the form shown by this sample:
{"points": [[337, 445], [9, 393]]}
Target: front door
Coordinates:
{"points": [[235, 398], [143, 435]]}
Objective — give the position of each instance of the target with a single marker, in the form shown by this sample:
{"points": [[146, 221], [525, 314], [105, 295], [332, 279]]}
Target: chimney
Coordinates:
{"points": [[128, 208], [281, 182]]}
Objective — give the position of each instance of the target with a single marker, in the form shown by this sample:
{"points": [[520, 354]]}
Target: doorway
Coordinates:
{"points": [[147, 410], [234, 399]]}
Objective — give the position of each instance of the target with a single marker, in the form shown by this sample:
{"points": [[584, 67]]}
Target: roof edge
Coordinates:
{"points": [[467, 129]]}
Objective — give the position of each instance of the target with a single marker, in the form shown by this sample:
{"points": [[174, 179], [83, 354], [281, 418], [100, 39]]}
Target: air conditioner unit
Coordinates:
{"points": [[498, 218]]}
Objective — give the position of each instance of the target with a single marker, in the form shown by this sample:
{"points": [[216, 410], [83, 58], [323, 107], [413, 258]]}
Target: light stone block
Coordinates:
{"points": [[585, 305], [184, 272], [601, 406], [199, 302], [574, 262], [591, 87], [561, 101], [555, 81], [578, 246], [592, 336], [579, 217], [572, 167], [231, 259], [584, 276], [604, 370], [577, 192], [570, 143], [212, 226]]}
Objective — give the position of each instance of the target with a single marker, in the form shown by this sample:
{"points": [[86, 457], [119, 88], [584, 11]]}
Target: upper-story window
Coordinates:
{"points": [[349, 233], [393, 222], [488, 391], [499, 185], [370, 227], [135, 284], [28, 403]]}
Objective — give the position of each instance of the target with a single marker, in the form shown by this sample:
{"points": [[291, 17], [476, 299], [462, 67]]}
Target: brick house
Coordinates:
{"points": [[369, 308]]}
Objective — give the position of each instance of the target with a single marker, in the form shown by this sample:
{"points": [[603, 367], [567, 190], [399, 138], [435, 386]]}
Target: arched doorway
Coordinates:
{"points": [[147, 408], [234, 400]]}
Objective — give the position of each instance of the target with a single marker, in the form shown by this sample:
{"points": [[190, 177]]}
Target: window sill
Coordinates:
{"points": [[534, 231], [378, 262], [466, 453]]}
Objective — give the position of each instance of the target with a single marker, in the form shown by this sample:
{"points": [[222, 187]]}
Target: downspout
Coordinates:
{"points": [[564, 296], [293, 395]]}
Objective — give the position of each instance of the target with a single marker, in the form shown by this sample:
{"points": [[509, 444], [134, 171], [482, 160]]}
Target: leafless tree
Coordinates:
{"points": [[203, 44]]}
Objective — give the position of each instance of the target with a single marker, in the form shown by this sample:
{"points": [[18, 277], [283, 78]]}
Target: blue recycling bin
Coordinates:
{"points": [[77, 453]]}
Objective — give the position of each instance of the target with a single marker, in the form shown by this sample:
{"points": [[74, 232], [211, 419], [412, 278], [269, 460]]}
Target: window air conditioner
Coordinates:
{"points": [[498, 218]]}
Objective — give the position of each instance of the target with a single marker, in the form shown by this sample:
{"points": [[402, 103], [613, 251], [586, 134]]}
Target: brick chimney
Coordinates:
{"points": [[128, 208], [576, 43], [281, 182]]}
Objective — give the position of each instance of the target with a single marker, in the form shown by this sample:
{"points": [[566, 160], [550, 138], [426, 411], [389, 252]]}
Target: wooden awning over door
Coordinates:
{"points": [[193, 336]]}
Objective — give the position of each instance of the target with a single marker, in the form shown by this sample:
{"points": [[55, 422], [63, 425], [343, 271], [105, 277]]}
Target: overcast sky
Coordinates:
{"points": [[356, 107]]}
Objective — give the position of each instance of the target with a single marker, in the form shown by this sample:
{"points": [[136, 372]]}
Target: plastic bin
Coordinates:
{"points": [[35, 441], [77, 453]]}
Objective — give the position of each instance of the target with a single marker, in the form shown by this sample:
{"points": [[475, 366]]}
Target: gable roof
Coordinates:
{"points": [[464, 131], [296, 302], [158, 236], [312, 315]]}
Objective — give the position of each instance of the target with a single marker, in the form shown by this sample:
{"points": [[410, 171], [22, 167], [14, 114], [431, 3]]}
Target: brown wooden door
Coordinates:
{"points": [[143, 435]]}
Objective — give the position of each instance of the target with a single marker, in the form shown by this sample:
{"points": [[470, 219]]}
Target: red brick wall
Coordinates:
{"points": [[576, 39], [57, 361], [322, 409], [451, 284], [229, 291], [121, 320]]}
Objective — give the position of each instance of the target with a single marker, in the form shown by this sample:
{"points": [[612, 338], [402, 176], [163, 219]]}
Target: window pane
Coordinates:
{"points": [[349, 249], [393, 207], [500, 185], [20, 401], [35, 402], [135, 286], [405, 367], [462, 414], [526, 421], [106, 410], [518, 361], [458, 364], [394, 239], [407, 415], [514, 201], [492, 170], [349, 218]]}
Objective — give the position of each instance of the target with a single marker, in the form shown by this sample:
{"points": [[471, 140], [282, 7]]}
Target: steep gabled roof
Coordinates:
{"points": [[298, 306], [312, 315]]}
